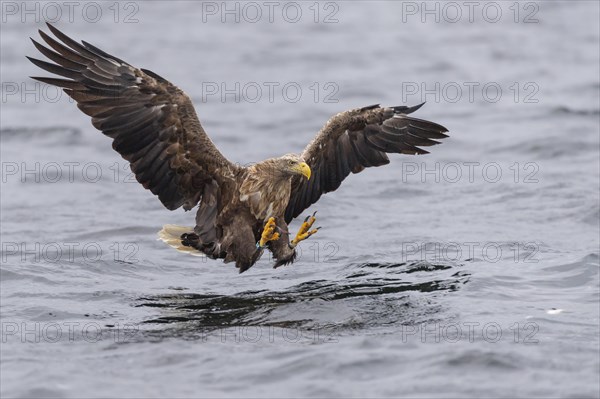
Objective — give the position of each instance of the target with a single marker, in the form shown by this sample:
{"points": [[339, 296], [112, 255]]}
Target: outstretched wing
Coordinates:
{"points": [[354, 140], [151, 121]]}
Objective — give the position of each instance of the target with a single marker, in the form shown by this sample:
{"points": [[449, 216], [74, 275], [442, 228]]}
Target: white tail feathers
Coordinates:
{"points": [[171, 235]]}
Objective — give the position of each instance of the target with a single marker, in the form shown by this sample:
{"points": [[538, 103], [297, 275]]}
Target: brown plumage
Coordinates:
{"points": [[154, 126]]}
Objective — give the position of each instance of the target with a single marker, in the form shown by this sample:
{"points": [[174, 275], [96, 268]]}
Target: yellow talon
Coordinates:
{"points": [[268, 233], [304, 232]]}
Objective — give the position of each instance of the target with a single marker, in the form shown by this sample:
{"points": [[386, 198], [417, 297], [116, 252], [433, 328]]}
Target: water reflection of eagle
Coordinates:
{"points": [[242, 210]]}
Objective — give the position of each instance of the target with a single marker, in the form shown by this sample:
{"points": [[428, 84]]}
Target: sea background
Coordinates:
{"points": [[468, 272]]}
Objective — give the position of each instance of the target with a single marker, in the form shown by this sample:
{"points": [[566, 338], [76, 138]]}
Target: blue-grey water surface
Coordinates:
{"points": [[468, 272]]}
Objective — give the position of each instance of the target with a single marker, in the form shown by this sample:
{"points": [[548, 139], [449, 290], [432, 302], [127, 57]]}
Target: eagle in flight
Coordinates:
{"points": [[242, 210]]}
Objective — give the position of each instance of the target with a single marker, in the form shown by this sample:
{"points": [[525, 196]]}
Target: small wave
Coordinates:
{"points": [[580, 273], [592, 216], [572, 111], [63, 135], [570, 147], [484, 359]]}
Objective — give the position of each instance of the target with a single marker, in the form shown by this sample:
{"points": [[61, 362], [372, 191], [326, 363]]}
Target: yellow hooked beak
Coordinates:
{"points": [[304, 169]]}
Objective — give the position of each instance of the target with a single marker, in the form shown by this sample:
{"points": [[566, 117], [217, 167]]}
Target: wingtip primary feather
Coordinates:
{"points": [[52, 28], [402, 109]]}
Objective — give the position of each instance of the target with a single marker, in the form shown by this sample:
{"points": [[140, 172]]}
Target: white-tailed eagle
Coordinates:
{"points": [[242, 210]]}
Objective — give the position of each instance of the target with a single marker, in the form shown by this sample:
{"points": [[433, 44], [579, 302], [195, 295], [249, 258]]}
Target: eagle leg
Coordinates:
{"points": [[268, 233], [304, 232]]}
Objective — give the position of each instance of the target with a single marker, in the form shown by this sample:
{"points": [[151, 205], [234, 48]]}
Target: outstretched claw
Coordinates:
{"points": [[304, 232], [268, 233]]}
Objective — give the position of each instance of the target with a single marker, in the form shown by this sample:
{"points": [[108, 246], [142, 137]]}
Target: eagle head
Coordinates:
{"points": [[293, 164]]}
